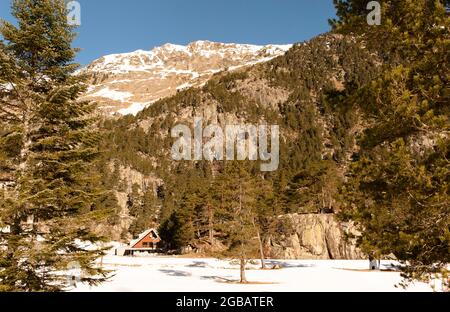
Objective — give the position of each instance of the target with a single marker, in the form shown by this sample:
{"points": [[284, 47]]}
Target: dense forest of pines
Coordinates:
{"points": [[364, 135]]}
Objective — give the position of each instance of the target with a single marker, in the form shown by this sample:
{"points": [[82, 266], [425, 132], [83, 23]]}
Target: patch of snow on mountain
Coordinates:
{"points": [[184, 86], [134, 109], [112, 94]]}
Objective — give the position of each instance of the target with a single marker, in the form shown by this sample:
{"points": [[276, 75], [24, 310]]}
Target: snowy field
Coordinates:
{"points": [[170, 274]]}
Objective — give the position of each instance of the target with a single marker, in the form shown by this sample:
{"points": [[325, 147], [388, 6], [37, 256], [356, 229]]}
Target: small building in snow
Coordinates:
{"points": [[146, 242]]}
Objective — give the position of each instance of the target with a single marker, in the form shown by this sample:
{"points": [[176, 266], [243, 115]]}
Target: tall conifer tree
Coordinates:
{"points": [[52, 195], [398, 191]]}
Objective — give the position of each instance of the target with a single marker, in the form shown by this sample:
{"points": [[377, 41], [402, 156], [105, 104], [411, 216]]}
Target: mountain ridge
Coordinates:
{"points": [[126, 83]]}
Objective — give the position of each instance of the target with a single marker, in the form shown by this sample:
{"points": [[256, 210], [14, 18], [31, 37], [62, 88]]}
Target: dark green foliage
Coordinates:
{"points": [[184, 217], [313, 188], [177, 231], [144, 208], [345, 118], [50, 146], [399, 187]]}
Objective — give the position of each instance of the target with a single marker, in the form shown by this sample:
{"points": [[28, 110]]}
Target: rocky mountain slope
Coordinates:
{"points": [[127, 83], [295, 91]]}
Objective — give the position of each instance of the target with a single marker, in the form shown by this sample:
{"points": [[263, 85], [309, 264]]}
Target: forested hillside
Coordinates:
{"points": [[297, 91]]}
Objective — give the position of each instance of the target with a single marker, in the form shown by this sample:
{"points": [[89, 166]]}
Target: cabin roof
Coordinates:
{"points": [[142, 236]]}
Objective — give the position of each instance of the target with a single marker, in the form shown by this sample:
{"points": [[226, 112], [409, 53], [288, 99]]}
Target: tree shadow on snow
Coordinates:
{"points": [[219, 279], [231, 280], [282, 264], [176, 273], [198, 264]]}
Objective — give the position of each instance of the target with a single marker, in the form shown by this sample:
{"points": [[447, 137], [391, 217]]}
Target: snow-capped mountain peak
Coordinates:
{"points": [[128, 82]]}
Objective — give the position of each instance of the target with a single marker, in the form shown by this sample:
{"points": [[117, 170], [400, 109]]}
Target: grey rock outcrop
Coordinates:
{"points": [[314, 236]]}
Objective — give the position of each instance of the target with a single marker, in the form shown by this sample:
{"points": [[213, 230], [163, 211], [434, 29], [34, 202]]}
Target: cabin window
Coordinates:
{"points": [[146, 244]]}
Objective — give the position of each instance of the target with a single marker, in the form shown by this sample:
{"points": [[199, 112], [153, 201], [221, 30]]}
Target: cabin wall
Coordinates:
{"points": [[147, 242]]}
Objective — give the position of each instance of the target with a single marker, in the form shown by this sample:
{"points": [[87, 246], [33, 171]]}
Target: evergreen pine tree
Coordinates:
{"points": [[178, 231], [240, 204], [399, 187], [53, 198], [313, 189]]}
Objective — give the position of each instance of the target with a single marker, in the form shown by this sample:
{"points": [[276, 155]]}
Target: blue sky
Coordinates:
{"points": [[116, 26]]}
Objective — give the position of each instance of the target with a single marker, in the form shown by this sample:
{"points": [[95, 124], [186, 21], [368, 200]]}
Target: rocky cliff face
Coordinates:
{"points": [[127, 83], [313, 236]]}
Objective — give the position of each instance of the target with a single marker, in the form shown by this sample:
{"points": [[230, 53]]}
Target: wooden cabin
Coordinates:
{"points": [[146, 242], [148, 239]]}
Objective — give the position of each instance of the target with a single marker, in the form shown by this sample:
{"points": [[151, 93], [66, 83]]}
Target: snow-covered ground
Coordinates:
{"points": [[170, 274]]}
